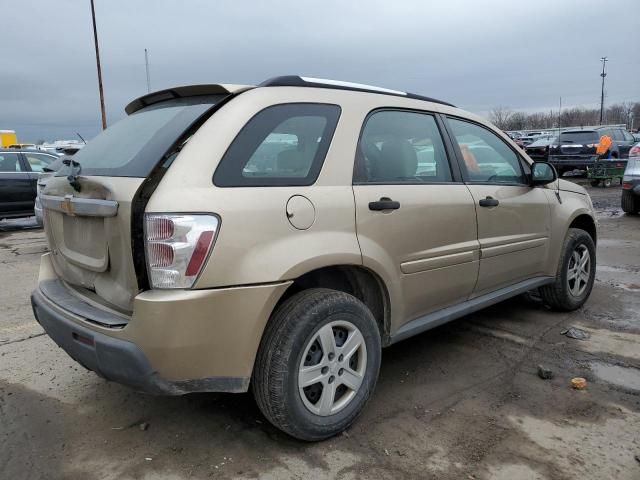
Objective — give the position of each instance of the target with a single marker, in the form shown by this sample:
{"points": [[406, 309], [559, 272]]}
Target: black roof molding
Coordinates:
{"points": [[298, 81]]}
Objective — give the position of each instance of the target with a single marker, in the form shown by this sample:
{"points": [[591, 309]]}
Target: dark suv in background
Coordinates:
{"points": [[577, 148]]}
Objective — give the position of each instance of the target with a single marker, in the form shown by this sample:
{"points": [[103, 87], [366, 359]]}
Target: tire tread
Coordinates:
{"points": [[555, 295], [268, 383]]}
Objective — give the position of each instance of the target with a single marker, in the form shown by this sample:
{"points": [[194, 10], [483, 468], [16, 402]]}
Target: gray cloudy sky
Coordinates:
{"points": [[475, 54]]}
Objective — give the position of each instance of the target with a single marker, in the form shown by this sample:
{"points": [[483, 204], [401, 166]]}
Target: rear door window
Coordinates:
{"points": [[401, 147], [618, 136], [38, 161], [282, 145], [10, 162]]}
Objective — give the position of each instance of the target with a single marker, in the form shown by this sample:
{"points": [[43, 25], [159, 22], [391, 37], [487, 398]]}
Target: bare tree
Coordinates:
{"points": [[500, 116], [620, 113]]}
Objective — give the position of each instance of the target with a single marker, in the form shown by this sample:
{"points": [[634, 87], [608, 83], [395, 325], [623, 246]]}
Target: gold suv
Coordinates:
{"points": [[225, 237]]}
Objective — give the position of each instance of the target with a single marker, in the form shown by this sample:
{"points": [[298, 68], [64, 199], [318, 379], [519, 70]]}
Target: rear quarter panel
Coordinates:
{"points": [[256, 242]]}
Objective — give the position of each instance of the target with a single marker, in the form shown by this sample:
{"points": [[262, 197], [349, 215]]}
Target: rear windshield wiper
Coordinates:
{"points": [[73, 173]]}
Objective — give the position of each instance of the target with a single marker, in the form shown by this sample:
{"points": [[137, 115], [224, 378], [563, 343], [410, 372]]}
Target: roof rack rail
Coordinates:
{"points": [[298, 81]]}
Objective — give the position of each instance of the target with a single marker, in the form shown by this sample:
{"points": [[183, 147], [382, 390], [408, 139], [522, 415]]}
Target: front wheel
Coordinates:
{"points": [[576, 273], [318, 363], [595, 183]]}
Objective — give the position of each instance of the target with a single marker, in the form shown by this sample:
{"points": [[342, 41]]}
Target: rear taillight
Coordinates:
{"points": [[177, 247], [635, 151]]}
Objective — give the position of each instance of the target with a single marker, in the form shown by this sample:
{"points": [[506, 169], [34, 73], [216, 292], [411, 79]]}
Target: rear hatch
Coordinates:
{"points": [[578, 143], [90, 205]]}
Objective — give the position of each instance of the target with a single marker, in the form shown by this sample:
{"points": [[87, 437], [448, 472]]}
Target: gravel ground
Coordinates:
{"points": [[463, 401]]}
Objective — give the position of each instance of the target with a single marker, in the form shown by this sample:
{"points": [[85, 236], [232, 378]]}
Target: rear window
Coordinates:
{"points": [[579, 137], [282, 145], [133, 146]]}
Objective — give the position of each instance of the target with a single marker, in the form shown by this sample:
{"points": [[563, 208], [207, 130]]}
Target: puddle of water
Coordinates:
{"points": [[608, 212], [603, 340], [626, 377], [611, 268]]}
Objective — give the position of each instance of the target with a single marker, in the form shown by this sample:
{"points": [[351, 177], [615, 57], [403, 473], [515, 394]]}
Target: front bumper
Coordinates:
{"points": [[176, 341]]}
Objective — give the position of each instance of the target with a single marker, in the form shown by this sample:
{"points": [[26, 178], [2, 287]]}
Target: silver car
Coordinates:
{"points": [[631, 182]]}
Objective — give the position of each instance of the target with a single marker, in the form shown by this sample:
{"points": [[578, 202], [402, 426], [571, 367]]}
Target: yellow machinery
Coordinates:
{"points": [[7, 137]]}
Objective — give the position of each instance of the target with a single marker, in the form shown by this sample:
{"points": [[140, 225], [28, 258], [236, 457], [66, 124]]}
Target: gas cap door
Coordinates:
{"points": [[300, 212]]}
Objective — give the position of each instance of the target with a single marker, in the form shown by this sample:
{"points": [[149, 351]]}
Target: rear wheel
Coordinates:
{"points": [[576, 273], [606, 182], [630, 202], [318, 364]]}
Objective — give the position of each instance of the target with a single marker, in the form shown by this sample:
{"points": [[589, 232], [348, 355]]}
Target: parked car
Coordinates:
{"points": [[19, 173], [577, 148], [539, 148], [43, 178], [275, 238], [631, 182], [525, 140]]}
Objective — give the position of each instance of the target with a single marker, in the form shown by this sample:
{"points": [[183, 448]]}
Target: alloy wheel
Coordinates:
{"points": [[579, 270], [332, 368]]}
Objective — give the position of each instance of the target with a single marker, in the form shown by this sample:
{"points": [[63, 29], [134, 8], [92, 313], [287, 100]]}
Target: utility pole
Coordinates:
{"points": [[146, 63], [604, 62], [559, 113], [95, 39]]}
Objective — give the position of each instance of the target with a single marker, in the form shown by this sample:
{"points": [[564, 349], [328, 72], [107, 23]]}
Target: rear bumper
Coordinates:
{"points": [[176, 341], [111, 358], [572, 160]]}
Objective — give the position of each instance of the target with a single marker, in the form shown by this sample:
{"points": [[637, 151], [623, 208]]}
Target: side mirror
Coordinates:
{"points": [[542, 173]]}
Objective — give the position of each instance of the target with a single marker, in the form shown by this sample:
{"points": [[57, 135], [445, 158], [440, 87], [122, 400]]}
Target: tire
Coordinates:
{"points": [[630, 202], [606, 183], [563, 294], [292, 340], [595, 183]]}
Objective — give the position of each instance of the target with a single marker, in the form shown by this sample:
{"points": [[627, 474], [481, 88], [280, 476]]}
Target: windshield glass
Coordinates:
{"points": [[134, 145], [579, 137]]}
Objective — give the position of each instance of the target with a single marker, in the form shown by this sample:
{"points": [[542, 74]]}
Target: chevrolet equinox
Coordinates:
{"points": [[222, 238]]}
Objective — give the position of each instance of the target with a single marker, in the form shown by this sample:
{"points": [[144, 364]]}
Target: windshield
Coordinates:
{"points": [[134, 145], [579, 137]]}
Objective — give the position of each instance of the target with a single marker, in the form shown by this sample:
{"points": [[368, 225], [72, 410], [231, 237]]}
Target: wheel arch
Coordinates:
{"points": [[585, 222], [361, 282]]}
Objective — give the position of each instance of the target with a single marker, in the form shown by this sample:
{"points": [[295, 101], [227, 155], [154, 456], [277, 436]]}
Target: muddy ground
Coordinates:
{"points": [[460, 402]]}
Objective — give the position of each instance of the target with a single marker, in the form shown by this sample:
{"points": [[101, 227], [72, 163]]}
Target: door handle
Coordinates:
{"points": [[385, 203], [489, 202]]}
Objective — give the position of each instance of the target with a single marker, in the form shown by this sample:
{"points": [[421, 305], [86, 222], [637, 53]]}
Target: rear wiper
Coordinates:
{"points": [[73, 175]]}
